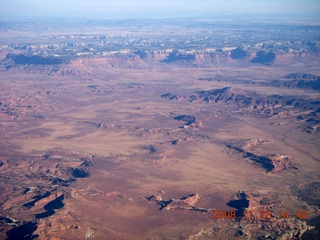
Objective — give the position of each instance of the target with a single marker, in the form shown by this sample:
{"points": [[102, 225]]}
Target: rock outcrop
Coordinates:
{"points": [[264, 58], [36, 188], [248, 102], [80, 65], [258, 220], [185, 203], [253, 150]]}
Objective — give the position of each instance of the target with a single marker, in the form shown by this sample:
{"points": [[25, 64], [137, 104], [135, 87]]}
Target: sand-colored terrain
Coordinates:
{"points": [[159, 129], [106, 156]]}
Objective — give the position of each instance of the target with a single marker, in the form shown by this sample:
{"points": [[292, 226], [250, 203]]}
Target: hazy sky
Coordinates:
{"points": [[94, 8]]}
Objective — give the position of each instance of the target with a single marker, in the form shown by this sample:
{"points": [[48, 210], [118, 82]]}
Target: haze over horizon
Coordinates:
{"points": [[152, 9]]}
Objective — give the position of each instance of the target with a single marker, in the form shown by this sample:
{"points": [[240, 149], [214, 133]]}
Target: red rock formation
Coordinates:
{"points": [[255, 151], [185, 203], [258, 218], [88, 65]]}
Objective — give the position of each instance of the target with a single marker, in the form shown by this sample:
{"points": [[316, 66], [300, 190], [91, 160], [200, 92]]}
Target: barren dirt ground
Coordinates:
{"points": [[114, 160]]}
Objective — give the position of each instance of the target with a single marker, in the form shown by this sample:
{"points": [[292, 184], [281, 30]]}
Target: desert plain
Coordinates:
{"points": [[151, 147]]}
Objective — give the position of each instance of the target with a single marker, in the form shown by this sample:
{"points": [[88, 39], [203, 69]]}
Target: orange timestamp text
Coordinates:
{"points": [[259, 215]]}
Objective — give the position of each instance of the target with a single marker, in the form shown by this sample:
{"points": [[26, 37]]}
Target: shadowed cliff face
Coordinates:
{"points": [[24, 231], [186, 118], [256, 104], [36, 60], [305, 84], [264, 58], [33, 64], [141, 59], [253, 101], [173, 57], [238, 53]]}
